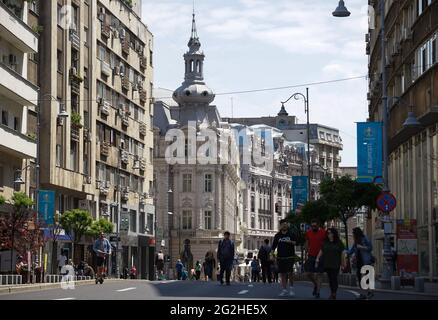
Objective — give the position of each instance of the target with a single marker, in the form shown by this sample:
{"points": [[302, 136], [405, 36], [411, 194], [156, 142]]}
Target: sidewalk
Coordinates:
{"points": [[6, 289]]}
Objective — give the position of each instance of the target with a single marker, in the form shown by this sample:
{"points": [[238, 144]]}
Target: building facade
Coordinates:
{"points": [[96, 140], [18, 102], [197, 197], [411, 30]]}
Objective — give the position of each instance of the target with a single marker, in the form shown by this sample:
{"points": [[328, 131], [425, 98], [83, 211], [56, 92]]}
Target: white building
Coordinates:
{"points": [[195, 201]]}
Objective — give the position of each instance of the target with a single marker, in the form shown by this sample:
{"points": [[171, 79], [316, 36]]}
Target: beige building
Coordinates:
{"points": [[95, 74], [195, 201], [412, 69]]}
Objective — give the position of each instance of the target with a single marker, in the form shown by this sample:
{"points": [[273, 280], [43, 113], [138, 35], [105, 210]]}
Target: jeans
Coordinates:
{"points": [[179, 275], [333, 279], [225, 267], [266, 271], [255, 276]]}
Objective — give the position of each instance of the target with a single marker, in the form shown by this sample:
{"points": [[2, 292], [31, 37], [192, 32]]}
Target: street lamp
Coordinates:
{"points": [[298, 96], [387, 252], [341, 10]]}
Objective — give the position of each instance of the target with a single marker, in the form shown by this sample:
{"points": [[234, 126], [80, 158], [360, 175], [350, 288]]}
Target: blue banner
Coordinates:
{"points": [[46, 206], [299, 192], [369, 151]]}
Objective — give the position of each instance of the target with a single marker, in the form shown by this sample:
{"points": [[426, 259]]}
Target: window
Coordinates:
{"points": [[58, 155], [253, 222], [208, 183], [33, 6], [150, 223], [187, 183], [4, 117], [322, 135], [133, 221], [150, 57], [59, 14], [74, 156], [252, 204], [208, 220], [17, 124], [142, 225], [329, 137], [186, 220]]}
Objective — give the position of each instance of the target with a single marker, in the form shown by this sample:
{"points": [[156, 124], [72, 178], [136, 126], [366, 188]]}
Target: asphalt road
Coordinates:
{"points": [[188, 290]]}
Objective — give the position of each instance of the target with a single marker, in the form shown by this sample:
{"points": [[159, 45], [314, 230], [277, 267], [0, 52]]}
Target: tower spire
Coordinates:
{"points": [[194, 42]]}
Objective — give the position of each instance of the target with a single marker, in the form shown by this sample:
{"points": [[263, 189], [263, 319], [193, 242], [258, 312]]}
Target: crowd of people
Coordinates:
{"points": [[325, 253]]}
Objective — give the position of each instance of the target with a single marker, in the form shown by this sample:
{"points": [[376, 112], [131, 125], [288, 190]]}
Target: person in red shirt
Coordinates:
{"points": [[315, 238]]}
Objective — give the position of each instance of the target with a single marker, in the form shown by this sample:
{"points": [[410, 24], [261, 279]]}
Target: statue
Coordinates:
{"points": [[187, 256]]}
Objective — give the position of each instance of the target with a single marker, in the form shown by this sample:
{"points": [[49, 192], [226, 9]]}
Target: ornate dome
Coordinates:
{"points": [[192, 93]]}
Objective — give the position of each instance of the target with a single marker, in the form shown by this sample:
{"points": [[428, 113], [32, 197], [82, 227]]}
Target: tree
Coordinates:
{"points": [[19, 228], [76, 224], [345, 197], [101, 225], [318, 210]]}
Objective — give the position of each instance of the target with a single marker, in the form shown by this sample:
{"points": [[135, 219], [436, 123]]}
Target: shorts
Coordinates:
{"points": [[309, 265], [285, 265], [100, 261]]}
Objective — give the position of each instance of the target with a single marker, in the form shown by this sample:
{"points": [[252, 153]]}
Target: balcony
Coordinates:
{"points": [[125, 193], [104, 188], [75, 133], [142, 163], [143, 62], [17, 88], [143, 96], [75, 40], [75, 81], [124, 157], [142, 128], [16, 31], [104, 149], [16, 144], [125, 121], [106, 31], [125, 46], [105, 108], [105, 68], [125, 83]]}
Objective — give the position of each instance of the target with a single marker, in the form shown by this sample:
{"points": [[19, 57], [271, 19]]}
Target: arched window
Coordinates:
{"points": [[198, 66], [192, 65]]}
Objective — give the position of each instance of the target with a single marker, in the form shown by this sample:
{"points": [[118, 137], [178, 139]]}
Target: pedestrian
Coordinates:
{"points": [[284, 243], [362, 250], [133, 272], [198, 268], [266, 261], [88, 271], [315, 238], [332, 254], [225, 256], [209, 265], [255, 269], [179, 269], [159, 262], [274, 271], [62, 260]]}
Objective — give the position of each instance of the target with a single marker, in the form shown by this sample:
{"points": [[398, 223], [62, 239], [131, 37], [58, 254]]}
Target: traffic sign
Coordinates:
{"points": [[386, 202]]}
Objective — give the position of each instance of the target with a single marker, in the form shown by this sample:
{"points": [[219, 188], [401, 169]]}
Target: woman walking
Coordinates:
{"points": [[332, 259], [362, 251], [209, 265], [198, 268]]}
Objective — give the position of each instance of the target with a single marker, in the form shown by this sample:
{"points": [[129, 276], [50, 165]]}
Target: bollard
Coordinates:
{"points": [[419, 284], [395, 283]]}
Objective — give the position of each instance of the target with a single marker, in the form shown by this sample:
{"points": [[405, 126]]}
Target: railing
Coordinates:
{"points": [[125, 83], [106, 31], [104, 149], [125, 46], [74, 38], [75, 136]]}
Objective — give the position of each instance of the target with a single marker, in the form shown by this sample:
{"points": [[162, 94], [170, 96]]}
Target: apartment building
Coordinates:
{"points": [[95, 72], [18, 98], [411, 30]]}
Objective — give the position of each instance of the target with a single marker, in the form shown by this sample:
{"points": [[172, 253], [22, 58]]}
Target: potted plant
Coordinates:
{"points": [[76, 120]]}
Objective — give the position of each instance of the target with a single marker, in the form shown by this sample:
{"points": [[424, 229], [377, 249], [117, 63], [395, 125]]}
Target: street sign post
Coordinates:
{"points": [[386, 202]]}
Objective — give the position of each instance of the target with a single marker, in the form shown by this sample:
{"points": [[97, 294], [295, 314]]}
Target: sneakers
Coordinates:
{"points": [[314, 291], [291, 293], [317, 295], [284, 293]]}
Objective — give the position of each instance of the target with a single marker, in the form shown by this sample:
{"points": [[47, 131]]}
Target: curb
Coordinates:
{"points": [[42, 286]]}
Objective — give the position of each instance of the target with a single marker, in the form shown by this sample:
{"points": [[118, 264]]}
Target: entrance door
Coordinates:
{"points": [[143, 264]]}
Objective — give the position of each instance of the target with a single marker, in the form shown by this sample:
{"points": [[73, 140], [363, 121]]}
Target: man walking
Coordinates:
{"points": [[225, 256], [159, 262], [265, 259], [284, 242], [315, 238]]}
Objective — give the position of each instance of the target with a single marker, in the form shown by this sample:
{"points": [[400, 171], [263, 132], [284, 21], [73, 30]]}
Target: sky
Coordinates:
{"points": [[256, 44]]}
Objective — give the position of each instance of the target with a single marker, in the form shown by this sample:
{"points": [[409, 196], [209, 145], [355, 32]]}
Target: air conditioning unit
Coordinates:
{"points": [[122, 34]]}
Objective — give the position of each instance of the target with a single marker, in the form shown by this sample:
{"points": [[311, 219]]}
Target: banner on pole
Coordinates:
{"points": [[299, 192], [46, 206], [369, 151]]}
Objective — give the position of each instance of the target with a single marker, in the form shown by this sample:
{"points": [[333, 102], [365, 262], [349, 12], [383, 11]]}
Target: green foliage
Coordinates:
{"points": [[2, 200], [101, 225], [21, 201], [76, 223], [76, 119], [319, 210]]}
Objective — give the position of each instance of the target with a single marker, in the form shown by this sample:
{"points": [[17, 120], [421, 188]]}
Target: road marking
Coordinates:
{"points": [[127, 289], [356, 294], [65, 299], [251, 285], [243, 292]]}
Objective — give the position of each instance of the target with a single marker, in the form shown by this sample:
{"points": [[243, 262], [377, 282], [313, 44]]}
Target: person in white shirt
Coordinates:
{"points": [[62, 259]]}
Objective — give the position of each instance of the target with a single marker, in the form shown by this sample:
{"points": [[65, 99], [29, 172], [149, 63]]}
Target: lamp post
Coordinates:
{"points": [[298, 96], [387, 252]]}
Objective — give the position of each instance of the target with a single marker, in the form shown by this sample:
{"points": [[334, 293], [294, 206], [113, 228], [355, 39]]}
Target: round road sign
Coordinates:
{"points": [[386, 202]]}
